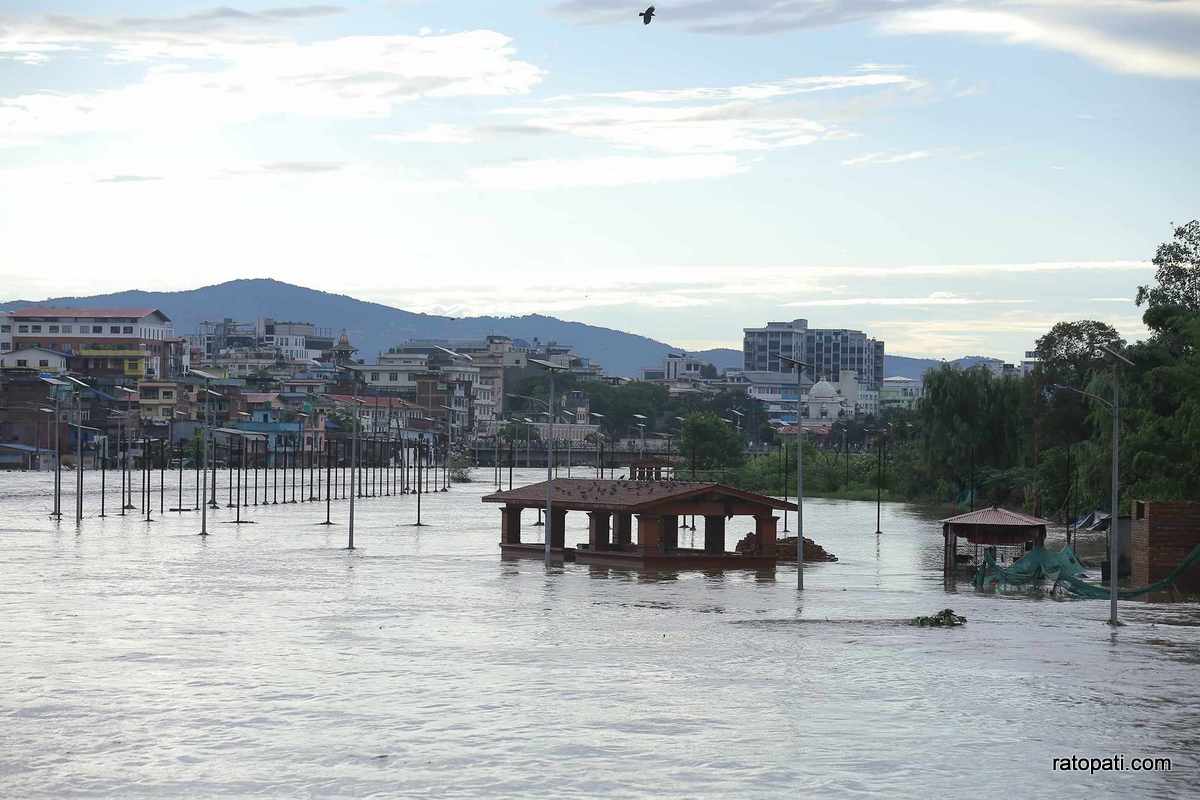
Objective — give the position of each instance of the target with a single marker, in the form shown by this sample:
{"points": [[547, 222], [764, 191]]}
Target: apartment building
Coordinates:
{"points": [[134, 343], [829, 350]]}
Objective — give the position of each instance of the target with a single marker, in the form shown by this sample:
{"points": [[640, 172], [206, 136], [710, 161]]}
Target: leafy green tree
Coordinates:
{"points": [[1177, 272], [708, 442]]}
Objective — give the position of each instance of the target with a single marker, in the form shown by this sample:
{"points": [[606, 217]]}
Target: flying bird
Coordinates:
{"points": [[647, 15]]}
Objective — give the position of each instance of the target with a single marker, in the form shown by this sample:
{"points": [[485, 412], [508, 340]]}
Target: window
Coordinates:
{"points": [[131, 364], [5, 346], [393, 376], [97, 329], [168, 394], [5, 328], [128, 329], [22, 362], [374, 376], [36, 328], [43, 363], [114, 328], [66, 328], [53, 329]]}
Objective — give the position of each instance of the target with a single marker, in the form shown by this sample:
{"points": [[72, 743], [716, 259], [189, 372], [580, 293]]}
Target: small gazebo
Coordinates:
{"points": [[658, 505], [995, 527]]}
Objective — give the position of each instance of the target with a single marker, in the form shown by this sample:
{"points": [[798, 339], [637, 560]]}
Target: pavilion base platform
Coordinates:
{"points": [[682, 558], [538, 551]]}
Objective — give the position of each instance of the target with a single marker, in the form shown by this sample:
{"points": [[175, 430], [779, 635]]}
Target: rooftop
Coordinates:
{"points": [[585, 494], [53, 311], [996, 516]]}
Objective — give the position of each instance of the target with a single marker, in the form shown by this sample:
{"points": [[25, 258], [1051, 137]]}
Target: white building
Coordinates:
{"points": [[900, 392], [35, 358]]}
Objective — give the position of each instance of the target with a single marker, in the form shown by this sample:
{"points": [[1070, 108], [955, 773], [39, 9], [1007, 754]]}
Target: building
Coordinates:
{"points": [[35, 358], [1029, 364], [135, 343], [900, 392], [157, 400], [829, 350]]}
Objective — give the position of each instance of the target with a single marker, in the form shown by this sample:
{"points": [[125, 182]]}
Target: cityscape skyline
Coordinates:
{"points": [[954, 180]]}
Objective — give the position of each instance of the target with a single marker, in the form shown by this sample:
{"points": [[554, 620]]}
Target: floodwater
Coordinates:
{"points": [[140, 660]]}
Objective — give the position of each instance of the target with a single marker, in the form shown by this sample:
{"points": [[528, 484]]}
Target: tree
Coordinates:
{"points": [[707, 442], [1177, 273], [1071, 351]]}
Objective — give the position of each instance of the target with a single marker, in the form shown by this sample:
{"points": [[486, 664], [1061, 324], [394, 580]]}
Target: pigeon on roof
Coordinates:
{"points": [[647, 15]]}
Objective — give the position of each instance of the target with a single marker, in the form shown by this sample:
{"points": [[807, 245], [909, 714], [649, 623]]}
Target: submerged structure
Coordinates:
{"points": [[614, 540], [993, 528]]}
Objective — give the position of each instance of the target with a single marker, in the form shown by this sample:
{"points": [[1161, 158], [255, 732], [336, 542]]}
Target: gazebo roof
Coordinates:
{"points": [[580, 494], [996, 516]]}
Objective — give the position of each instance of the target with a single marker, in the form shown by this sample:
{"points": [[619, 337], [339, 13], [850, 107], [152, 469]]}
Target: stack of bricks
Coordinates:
{"points": [[1163, 536]]}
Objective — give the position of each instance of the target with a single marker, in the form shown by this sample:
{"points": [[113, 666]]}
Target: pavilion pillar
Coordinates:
{"points": [[623, 530], [650, 533], [510, 525], [714, 534], [599, 523], [558, 528], [950, 547], [764, 527], [670, 532]]}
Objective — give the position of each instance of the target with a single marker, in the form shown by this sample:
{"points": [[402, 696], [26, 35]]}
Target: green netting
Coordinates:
{"points": [[1040, 565], [1073, 585], [1035, 567]]}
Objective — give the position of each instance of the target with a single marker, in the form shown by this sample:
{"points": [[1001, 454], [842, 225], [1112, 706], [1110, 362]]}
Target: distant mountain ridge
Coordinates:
{"points": [[374, 327]]}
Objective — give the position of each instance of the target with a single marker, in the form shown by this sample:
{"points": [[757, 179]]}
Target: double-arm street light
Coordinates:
{"points": [[800, 366], [1114, 527]]}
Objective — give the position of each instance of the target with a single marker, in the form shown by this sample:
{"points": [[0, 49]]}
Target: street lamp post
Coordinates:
{"points": [[550, 368], [799, 365], [1114, 523]]}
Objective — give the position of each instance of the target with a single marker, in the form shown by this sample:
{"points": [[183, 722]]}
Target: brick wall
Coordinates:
{"points": [[1163, 535]]}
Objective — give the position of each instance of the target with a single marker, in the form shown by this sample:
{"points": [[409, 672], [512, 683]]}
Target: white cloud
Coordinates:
{"points": [[602, 172], [932, 299], [432, 134], [700, 120], [1148, 37], [886, 158], [357, 76], [1072, 34]]}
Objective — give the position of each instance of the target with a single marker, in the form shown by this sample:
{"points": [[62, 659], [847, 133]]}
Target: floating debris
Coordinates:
{"points": [[946, 618]]}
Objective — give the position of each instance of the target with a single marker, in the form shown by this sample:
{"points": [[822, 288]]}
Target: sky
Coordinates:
{"points": [[953, 176]]}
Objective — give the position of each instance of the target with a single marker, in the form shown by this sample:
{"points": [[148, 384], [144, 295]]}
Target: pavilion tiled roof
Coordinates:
{"points": [[996, 516], [586, 494]]}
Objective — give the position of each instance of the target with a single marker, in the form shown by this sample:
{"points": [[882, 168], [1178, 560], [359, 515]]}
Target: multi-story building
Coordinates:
{"points": [[135, 343], [157, 399], [829, 350], [900, 392]]}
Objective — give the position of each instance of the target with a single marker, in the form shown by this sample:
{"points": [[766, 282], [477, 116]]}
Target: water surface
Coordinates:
{"points": [[140, 660]]}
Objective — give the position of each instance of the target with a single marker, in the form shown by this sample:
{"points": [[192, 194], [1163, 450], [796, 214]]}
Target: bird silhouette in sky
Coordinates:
{"points": [[647, 15]]}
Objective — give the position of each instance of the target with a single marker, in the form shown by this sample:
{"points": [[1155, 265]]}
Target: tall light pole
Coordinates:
{"points": [[56, 385], [208, 393], [79, 386], [1114, 523], [799, 365], [642, 442], [550, 368]]}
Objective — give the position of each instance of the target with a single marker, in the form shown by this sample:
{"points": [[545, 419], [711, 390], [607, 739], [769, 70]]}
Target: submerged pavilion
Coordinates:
{"points": [[611, 506]]}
